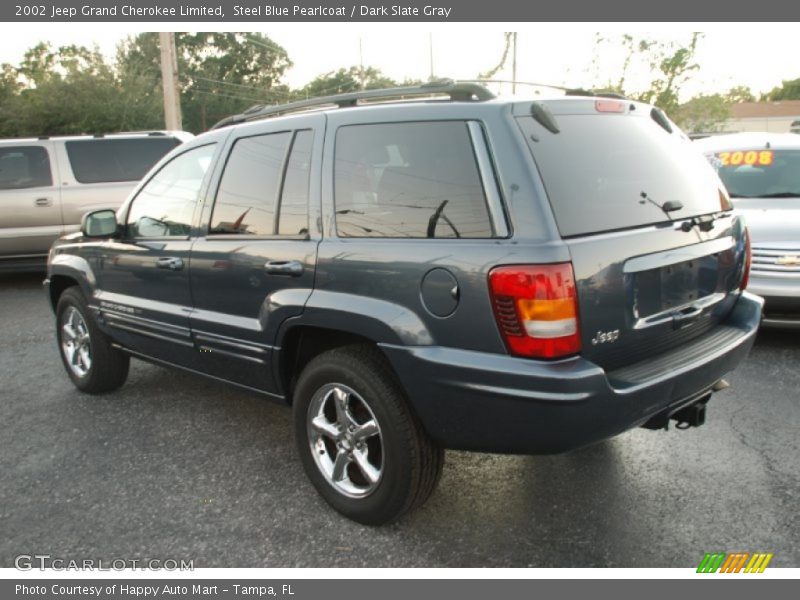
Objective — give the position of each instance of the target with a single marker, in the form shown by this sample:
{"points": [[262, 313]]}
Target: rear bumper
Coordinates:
{"points": [[497, 403]]}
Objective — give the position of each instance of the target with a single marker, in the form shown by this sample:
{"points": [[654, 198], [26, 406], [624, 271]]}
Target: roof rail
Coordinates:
{"points": [[463, 92]]}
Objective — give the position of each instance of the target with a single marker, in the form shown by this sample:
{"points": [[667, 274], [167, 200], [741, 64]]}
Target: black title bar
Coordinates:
{"points": [[260, 11]]}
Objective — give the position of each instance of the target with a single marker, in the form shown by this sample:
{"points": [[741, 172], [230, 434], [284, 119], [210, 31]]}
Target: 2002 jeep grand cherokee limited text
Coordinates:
{"points": [[446, 272]]}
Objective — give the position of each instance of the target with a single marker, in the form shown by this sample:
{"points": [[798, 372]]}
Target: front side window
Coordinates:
{"points": [[409, 180], [165, 205], [24, 167]]}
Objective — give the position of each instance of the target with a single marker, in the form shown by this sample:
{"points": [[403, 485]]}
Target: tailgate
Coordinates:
{"points": [[658, 254], [643, 292]]}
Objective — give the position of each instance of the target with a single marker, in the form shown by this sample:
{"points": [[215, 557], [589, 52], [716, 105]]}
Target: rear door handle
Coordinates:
{"points": [[293, 268], [43, 202], [173, 263]]}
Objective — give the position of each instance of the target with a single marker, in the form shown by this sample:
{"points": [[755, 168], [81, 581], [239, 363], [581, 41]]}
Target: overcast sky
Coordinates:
{"points": [[756, 55]]}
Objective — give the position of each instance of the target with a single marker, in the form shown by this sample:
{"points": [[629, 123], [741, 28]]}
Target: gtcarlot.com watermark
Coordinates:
{"points": [[46, 562]]}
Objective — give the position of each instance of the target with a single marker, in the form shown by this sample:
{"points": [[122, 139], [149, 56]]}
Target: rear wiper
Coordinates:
{"points": [[668, 206]]}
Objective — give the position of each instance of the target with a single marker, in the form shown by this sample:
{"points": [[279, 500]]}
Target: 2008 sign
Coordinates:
{"points": [[761, 158]]}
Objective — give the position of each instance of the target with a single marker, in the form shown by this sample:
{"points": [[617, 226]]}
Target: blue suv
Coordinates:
{"points": [[422, 268]]}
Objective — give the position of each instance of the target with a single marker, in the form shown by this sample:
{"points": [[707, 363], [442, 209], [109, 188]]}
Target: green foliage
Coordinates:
{"points": [[670, 63], [221, 73], [67, 90], [740, 93], [706, 113], [72, 89], [788, 90], [346, 80]]}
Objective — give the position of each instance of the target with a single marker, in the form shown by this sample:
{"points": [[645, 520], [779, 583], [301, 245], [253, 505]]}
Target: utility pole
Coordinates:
{"points": [[361, 63], [514, 63], [430, 47], [169, 80]]}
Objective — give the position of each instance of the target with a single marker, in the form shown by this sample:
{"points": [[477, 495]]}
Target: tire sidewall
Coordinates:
{"points": [[73, 298], [387, 498]]}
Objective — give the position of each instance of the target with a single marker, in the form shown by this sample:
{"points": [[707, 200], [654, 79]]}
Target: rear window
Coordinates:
{"points": [[105, 160], [758, 172], [606, 171]]}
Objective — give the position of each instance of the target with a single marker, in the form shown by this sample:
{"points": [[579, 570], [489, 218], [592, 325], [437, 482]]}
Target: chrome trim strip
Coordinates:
{"points": [[490, 188]]}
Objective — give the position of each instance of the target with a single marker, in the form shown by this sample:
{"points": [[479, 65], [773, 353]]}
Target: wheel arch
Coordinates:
{"points": [[301, 343]]}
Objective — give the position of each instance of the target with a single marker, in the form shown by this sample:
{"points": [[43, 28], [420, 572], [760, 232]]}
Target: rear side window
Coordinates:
{"points": [[106, 160], [409, 180], [264, 188], [24, 167], [607, 171]]}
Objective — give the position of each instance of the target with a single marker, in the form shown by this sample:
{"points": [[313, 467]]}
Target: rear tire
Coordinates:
{"points": [[361, 446], [92, 364]]}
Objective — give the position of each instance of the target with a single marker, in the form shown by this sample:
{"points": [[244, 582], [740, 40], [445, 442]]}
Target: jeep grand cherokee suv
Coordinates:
{"points": [[445, 271]]}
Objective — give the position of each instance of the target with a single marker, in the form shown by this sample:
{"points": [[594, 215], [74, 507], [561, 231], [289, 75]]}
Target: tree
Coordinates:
{"points": [[788, 90], [221, 73], [346, 80], [66, 90], [703, 113], [740, 93], [670, 64]]}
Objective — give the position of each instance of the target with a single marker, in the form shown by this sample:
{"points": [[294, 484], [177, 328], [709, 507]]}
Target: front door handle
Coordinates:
{"points": [[173, 263], [293, 268], [43, 202]]}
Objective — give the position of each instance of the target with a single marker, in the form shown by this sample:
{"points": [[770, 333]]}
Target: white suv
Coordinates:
{"points": [[48, 184]]}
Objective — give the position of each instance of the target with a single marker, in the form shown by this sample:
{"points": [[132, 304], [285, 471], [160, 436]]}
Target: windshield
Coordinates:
{"points": [[604, 172], [759, 173]]}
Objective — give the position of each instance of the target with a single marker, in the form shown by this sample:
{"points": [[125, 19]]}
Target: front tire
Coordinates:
{"points": [[361, 446], [92, 364]]}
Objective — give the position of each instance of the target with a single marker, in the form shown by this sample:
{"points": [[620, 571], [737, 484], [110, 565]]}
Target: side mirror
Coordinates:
{"points": [[99, 224]]}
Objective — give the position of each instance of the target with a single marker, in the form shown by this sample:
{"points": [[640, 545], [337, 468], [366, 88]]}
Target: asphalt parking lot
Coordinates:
{"points": [[175, 467]]}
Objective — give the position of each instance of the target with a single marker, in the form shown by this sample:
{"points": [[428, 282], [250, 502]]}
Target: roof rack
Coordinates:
{"points": [[459, 92], [104, 135]]}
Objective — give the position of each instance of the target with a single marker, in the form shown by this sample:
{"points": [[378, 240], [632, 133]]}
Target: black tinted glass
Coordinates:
{"points": [[759, 173], [248, 192], [105, 159], [164, 206], [293, 218], [602, 171], [24, 167], [417, 180]]}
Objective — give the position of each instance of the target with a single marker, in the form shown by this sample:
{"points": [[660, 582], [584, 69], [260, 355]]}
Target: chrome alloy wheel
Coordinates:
{"points": [[345, 440], [75, 342]]}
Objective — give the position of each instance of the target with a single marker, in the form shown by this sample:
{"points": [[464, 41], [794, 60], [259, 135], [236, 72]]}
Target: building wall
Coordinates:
{"points": [[769, 124]]}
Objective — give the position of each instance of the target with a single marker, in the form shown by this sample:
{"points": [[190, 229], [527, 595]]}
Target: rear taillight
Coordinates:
{"points": [[536, 308], [748, 258], [725, 200]]}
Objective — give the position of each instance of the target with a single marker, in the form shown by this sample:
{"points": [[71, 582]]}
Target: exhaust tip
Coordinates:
{"points": [[720, 385]]}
